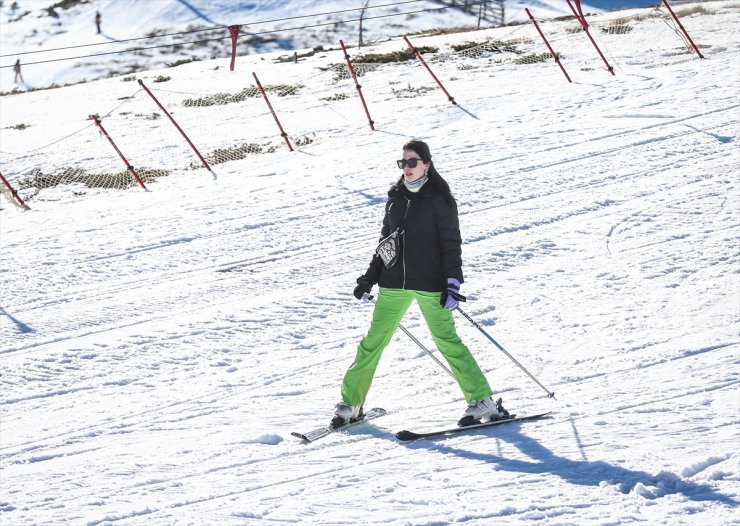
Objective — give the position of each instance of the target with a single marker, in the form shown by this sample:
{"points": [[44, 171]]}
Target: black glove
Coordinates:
{"points": [[363, 288]]}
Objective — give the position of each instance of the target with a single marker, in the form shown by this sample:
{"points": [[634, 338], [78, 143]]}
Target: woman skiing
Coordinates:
{"points": [[419, 258]]}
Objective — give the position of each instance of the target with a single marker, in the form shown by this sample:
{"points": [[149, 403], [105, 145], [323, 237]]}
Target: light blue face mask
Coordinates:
{"points": [[415, 186]]}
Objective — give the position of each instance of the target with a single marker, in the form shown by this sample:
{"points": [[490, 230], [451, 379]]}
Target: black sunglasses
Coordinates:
{"points": [[410, 162]]}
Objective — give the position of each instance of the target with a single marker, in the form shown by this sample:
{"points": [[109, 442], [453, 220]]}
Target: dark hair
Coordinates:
{"points": [[421, 149]]}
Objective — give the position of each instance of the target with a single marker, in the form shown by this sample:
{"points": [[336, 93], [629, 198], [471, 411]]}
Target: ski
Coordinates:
{"points": [[410, 435], [327, 430]]}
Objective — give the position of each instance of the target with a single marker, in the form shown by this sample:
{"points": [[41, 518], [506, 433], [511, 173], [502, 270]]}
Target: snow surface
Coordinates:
{"points": [[159, 347]]}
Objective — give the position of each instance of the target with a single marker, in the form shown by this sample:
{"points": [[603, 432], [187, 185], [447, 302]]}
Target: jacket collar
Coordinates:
{"points": [[400, 190]]}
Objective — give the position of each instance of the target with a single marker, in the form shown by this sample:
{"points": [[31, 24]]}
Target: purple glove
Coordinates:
{"points": [[450, 297]]}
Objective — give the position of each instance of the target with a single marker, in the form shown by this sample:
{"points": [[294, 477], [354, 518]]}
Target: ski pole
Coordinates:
{"points": [[417, 342], [550, 394]]}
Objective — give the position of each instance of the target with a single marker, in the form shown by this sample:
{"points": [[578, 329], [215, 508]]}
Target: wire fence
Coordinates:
{"points": [[137, 136]]}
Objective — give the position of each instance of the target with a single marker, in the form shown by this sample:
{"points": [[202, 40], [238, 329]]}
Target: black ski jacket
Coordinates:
{"points": [[430, 244]]}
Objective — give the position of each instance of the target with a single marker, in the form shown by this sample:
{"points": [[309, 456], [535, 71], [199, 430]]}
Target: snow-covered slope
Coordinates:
{"points": [[157, 348], [33, 27]]}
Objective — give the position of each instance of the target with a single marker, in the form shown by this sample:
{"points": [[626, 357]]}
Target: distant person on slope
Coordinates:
{"points": [[98, 19], [17, 69], [419, 258]]}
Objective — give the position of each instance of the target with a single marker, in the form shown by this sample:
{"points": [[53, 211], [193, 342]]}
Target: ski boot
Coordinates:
{"points": [[483, 409], [345, 413]]}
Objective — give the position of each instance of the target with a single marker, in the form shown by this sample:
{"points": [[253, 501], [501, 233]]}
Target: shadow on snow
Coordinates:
{"points": [[585, 472], [22, 327]]}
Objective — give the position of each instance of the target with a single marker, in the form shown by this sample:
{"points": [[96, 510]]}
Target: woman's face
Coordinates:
{"points": [[412, 174]]}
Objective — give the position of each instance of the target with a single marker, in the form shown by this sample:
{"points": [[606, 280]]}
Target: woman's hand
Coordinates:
{"points": [[363, 288], [451, 297]]}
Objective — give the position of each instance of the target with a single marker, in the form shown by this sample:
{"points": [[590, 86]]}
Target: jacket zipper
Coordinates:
{"points": [[403, 244]]}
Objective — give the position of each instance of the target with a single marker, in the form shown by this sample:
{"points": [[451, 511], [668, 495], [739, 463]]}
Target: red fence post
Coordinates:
{"points": [[552, 52], [13, 192], [357, 84], [584, 25], [202, 160], [418, 55], [682, 29], [282, 132], [125, 162], [234, 32], [580, 11]]}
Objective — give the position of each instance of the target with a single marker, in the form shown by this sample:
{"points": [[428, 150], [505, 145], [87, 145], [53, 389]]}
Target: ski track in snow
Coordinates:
{"points": [[153, 343]]}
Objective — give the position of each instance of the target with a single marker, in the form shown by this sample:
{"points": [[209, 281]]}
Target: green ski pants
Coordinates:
{"points": [[390, 307]]}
